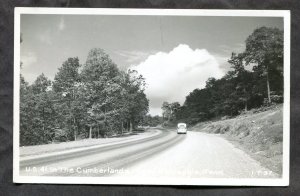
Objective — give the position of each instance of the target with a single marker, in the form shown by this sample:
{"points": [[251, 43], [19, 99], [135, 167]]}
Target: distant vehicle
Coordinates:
{"points": [[181, 128]]}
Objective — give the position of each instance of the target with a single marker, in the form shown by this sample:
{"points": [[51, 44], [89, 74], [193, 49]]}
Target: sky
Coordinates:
{"points": [[175, 54]]}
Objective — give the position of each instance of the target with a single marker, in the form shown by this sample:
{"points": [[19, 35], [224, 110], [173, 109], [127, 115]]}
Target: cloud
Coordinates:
{"points": [[172, 76], [223, 61], [134, 57], [61, 25], [236, 47], [224, 56], [45, 38], [28, 59]]}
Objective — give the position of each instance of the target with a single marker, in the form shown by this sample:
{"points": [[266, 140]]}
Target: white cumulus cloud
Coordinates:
{"points": [[172, 76]]}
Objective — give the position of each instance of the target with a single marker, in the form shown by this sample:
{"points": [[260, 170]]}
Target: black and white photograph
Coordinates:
{"points": [[151, 96]]}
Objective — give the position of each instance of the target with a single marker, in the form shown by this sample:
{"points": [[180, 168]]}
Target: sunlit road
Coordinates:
{"points": [[200, 155], [165, 154], [102, 157]]}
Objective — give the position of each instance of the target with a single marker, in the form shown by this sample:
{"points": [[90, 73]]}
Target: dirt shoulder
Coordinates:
{"points": [[258, 133]]}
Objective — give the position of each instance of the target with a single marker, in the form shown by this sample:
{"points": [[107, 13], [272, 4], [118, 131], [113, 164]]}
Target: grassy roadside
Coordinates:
{"points": [[259, 133]]}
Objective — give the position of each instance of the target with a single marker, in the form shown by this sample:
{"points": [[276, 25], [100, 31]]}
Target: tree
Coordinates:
{"points": [[241, 88], [136, 100], [103, 86], [36, 112], [174, 107], [210, 82], [152, 121], [41, 84], [242, 77], [166, 110], [169, 110], [96, 77], [264, 49], [197, 107], [66, 85], [67, 76], [26, 113], [100, 100], [43, 106]]}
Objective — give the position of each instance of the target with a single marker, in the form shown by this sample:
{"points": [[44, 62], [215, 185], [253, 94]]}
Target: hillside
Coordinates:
{"points": [[257, 132]]}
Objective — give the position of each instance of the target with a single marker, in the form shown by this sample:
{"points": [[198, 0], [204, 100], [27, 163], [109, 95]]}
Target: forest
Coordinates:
{"points": [[90, 101], [97, 99], [255, 80]]}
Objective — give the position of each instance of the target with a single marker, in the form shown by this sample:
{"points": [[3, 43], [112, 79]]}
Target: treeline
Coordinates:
{"points": [[255, 80], [152, 121], [93, 100]]}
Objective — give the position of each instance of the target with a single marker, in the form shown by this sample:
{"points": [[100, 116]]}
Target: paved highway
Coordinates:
{"points": [[104, 157], [200, 155], [164, 154]]}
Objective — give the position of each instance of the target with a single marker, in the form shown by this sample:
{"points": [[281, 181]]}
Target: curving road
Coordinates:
{"points": [[103, 157], [200, 155], [165, 154]]}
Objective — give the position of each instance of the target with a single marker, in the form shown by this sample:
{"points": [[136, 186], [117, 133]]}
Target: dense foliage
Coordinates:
{"points": [[256, 79], [96, 100], [152, 121]]}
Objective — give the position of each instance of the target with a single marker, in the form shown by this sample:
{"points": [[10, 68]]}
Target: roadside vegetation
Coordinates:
{"points": [[254, 81], [258, 132], [84, 101]]}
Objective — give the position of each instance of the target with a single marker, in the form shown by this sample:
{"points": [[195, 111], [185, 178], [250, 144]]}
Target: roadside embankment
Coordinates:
{"points": [[258, 133]]}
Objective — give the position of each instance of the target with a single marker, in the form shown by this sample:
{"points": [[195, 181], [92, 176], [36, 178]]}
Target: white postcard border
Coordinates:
{"points": [[284, 181]]}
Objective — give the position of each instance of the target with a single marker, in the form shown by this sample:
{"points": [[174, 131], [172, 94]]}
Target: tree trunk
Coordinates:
{"points": [[169, 117], [75, 129], [268, 87], [122, 127], [130, 126], [90, 134], [246, 105], [44, 134], [105, 124]]}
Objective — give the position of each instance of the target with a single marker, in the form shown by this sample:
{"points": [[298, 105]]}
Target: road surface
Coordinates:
{"points": [[166, 154]]}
